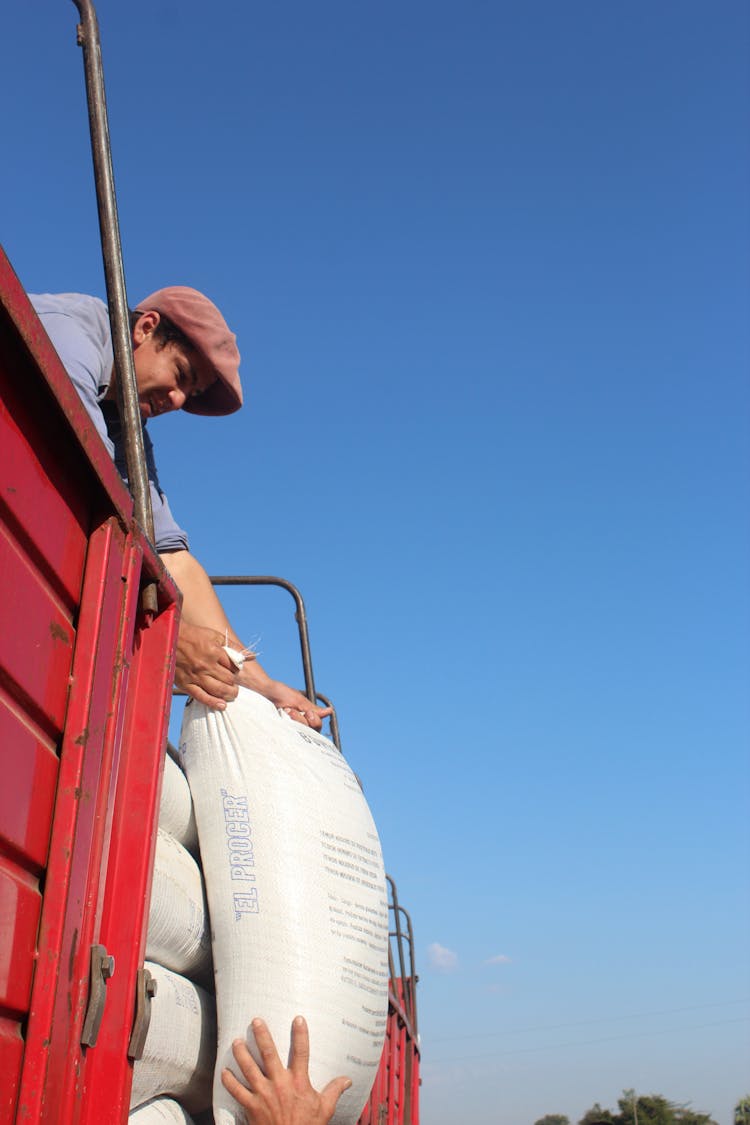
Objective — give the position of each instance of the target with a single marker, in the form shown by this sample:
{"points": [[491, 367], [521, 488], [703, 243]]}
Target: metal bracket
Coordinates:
{"points": [[102, 968], [145, 990]]}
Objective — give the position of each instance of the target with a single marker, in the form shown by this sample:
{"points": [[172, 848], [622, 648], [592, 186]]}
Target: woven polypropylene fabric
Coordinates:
{"points": [[160, 1111], [296, 892], [180, 1050]]}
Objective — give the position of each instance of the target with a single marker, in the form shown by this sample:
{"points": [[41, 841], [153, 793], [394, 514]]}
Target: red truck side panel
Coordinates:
{"points": [[129, 871], [394, 1099], [76, 658]]}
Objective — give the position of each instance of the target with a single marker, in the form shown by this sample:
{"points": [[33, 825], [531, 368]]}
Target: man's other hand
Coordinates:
{"points": [[298, 706], [275, 1095]]}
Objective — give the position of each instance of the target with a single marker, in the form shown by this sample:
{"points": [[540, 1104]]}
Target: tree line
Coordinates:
{"points": [[647, 1109]]}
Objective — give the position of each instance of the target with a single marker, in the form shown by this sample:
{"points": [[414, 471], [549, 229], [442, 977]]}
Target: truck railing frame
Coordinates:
{"points": [[401, 961]]}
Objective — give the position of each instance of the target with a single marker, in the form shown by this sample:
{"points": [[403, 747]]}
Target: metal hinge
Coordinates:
{"points": [[145, 990], [102, 968]]}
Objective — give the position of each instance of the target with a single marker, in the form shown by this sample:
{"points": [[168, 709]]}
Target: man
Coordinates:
{"points": [[185, 358]]}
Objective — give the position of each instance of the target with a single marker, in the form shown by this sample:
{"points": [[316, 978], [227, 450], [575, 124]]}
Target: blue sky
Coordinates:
{"points": [[488, 267]]}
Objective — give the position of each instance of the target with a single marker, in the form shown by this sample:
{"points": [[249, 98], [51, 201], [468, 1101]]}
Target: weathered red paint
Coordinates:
{"points": [[30, 760], [75, 659], [394, 1099]]}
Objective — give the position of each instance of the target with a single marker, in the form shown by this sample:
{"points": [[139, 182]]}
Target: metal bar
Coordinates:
{"points": [[117, 301], [300, 616], [412, 1000], [397, 933], [408, 978], [332, 719]]}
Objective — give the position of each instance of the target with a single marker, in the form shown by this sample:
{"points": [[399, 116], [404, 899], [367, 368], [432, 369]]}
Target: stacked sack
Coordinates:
{"points": [[173, 1078]]}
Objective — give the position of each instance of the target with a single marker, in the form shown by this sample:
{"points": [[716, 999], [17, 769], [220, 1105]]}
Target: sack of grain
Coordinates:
{"points": [[176, 807], [296, 892], [160, 1111], [180, 1050], [178, 935]]}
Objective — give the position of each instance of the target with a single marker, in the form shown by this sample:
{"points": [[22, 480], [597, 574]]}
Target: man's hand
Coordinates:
{"points": [[203, 668], [281, 1096], [298, 706], [288, 699]]}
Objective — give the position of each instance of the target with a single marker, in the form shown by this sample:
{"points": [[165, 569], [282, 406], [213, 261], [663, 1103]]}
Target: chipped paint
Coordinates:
{"points": [[58, 633]]}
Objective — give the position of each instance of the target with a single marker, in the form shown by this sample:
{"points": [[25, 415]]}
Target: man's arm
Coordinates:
{"points": [[275, 1095], [203, 668]]}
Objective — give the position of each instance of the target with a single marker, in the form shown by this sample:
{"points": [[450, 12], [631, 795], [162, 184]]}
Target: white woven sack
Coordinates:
{"points": [[178, 935], [296, 892], [160, 1111], [176, 808], [180, 1050]]}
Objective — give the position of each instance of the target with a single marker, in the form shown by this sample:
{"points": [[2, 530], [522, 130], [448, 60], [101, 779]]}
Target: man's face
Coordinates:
{"points": [[166, 376]]}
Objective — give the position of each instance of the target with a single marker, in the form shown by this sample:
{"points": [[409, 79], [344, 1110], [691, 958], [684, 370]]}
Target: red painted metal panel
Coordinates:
{"points": [[41, 494], [117, 724], [395, 1094], [38, 642], [11, 1054], [57, 401], [27, 793], [53, 1051], [128, 886], [20, 903], [69, 553], [416, 1082]]}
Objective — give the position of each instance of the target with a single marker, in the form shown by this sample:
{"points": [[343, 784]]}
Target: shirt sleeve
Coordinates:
{"points": [[78, 326], [168, 535]]}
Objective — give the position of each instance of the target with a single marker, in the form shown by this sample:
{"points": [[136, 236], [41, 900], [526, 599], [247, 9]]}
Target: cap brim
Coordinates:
{"points": [[216, 400]]}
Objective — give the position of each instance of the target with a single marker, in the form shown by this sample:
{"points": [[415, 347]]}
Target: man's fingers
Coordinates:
{"points": [[203, 697], [223, 673], [315, 717], [311, 717], [270, 1056], [232, 1085], [211, 692], [331, 1093], [300, 1051], [298, 716], [247, 1064]]}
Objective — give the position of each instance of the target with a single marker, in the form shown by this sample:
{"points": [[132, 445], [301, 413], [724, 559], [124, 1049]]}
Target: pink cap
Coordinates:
{"points": [[214, 343]]}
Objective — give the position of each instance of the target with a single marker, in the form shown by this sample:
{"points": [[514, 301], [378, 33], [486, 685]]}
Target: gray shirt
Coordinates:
{"points": [[78, 327]]}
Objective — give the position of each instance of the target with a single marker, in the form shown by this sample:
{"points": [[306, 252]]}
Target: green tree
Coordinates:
{"points": [[683, 1115], [553, 1119], [742, 1111], [648, 1109], [597, 1116]]}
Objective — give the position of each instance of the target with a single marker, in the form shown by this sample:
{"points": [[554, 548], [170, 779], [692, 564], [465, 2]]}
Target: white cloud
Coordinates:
{"points": [[442, 959], [498, 959]]}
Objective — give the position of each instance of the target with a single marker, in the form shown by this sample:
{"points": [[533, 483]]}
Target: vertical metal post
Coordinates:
{"points": [[299, 616], [109, 227]]}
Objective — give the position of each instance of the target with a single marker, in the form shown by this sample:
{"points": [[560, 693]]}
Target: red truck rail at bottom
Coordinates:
{"points": [[395, 1095]]}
